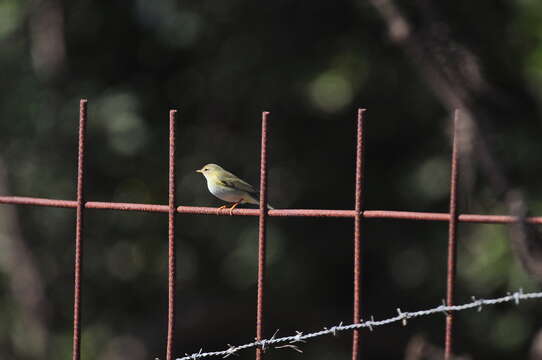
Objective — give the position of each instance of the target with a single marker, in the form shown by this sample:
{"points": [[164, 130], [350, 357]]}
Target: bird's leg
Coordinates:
{"points": [[220, 208], [233, 207]]}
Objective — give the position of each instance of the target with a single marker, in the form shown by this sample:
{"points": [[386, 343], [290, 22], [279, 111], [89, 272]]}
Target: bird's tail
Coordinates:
{"points": [[254, 201], [269, 207]]}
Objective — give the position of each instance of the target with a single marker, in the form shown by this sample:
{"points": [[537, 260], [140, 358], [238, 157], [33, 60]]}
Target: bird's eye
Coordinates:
{"points": [[205, 169]]}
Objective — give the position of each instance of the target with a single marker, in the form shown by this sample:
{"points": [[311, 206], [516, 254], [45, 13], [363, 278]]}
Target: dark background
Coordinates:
{"points": [[311, 64]]}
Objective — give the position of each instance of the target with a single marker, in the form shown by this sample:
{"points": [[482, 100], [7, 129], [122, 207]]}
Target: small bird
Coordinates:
{"points": [[228, 187]]}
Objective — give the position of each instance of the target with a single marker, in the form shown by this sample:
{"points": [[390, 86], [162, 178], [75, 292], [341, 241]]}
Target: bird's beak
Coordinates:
{"points": [[199, 170]]}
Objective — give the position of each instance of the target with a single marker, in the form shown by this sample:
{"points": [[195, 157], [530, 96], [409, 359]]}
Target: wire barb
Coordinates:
{"points": [[444, 306], [194, 356], [297, 338], [480, 303], [333, 329], [275, 334], [290, 346], [517, 296], [403, 316], [231, 351], [370, 323]]}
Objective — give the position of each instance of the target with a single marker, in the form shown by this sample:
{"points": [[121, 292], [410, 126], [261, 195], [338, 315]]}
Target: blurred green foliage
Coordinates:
{"points": [[222, 63]]}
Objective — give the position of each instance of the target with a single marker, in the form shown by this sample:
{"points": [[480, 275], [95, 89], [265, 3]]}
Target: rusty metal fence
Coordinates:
{"points": [[358, 213]]}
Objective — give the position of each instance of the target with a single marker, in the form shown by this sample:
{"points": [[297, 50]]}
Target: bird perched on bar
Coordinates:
{"points": [[228, 187]]}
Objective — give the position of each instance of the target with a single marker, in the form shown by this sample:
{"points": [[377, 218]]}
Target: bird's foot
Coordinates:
{"points": [[233, 207], [220, 208]]}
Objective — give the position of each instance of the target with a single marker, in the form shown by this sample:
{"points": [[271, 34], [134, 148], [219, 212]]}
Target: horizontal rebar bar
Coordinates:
{"points": [[199, 210]]}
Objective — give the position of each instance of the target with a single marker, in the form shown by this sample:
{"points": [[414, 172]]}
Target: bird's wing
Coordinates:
{"points": [[228, 179]]}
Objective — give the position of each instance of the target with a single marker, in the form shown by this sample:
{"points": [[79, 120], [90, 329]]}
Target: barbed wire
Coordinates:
{"points": [[290, 341]]}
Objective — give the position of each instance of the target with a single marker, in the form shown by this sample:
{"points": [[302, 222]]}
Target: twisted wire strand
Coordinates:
{"points": [[370, 324]]}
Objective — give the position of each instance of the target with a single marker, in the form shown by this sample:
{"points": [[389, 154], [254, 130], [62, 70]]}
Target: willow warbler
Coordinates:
{"points": [[228, 187]]}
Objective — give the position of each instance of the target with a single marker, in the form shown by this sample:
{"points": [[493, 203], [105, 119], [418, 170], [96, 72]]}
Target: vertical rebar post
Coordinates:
{"points": [[358, 206], [79, 223], [262, 235], [171, 239], [452, 240]]}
